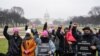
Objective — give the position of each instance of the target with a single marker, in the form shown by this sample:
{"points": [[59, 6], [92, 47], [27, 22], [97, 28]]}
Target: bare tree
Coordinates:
{"points": [[18, 10], [95, 11]]}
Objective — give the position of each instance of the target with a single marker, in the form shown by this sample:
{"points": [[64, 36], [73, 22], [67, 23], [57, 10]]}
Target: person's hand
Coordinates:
{"points": [[49, 52], [93, 47], [69, 42], [26, 52]]}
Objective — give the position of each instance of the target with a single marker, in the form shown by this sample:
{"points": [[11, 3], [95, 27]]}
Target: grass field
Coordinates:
{"points": [[3, 45]]}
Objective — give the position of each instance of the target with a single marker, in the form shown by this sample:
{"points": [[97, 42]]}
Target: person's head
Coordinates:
{"points": [[59, 27], [28, 34], [45, 36], [66, 29], [74, 25], [45, 33], [15, 31], [87, 31]]}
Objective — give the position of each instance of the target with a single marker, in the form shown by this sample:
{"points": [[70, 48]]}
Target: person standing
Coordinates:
{"points": [[46, 47], [60, 36], [14, 42], [88, 43], [72, 37], [28, 45]]}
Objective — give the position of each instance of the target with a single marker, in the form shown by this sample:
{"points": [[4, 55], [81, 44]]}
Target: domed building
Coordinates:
{"points": [[47, 18]]}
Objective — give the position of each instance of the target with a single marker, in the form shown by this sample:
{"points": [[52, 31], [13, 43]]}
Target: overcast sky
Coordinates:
{"points": [[56, 8]]}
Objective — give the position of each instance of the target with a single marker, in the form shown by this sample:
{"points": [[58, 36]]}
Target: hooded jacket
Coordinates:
{"points": [[28, 44]]}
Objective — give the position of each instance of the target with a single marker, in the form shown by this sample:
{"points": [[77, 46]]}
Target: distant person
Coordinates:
{"points": [[88, 43], [28, 45], [46, 47], [14, 42]]}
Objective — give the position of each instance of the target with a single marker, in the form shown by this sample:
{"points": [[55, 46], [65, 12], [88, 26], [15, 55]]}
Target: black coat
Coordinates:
{"points": [[87, 41], [14, 43], [60, 36]]}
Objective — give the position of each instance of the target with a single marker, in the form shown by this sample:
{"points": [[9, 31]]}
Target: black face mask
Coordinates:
{"points": [[44, 39], [27, 35], [87, 34]]}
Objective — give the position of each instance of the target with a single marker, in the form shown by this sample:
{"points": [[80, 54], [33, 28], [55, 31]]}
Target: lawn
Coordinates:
{"points": [[3, 45]]}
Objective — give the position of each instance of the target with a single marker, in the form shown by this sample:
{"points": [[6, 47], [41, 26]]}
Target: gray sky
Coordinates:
{"points": [[56, 8]]}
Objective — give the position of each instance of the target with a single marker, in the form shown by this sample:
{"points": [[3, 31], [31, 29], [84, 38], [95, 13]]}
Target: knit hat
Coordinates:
{"points": [[44, 33], [86, 28], [15, 29], [28, 31]]}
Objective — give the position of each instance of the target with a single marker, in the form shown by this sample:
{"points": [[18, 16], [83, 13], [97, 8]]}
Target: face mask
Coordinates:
{"points": [[86, 33], [27, 35]]}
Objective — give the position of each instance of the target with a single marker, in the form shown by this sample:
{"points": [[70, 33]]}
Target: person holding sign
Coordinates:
{"points": [[46, 47], [87, 45]]}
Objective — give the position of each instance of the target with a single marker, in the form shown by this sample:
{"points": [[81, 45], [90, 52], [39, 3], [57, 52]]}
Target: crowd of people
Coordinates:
{"points": [[52, 42]]}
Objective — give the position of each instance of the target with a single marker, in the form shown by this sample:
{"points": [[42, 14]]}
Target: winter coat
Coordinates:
{"points": [[14, 43], [98, 44], [50, 45], [29, 45], [77, 35], [89, 40], [60, 36]]}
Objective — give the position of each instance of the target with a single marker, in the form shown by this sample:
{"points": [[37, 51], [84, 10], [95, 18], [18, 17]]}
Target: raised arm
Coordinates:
{"points": [[26, 27], [7, 36]]}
